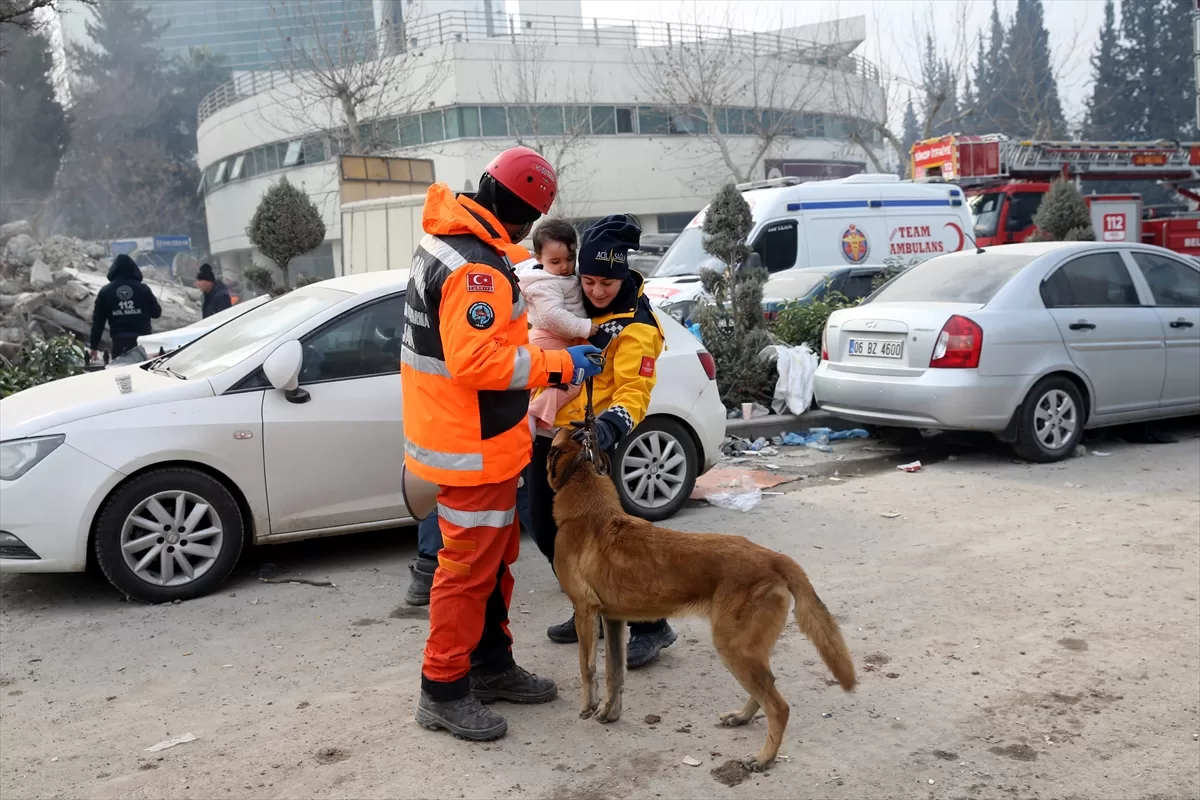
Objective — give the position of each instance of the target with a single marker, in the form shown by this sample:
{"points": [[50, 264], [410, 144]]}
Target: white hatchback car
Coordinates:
{"points": [[163, 471]]}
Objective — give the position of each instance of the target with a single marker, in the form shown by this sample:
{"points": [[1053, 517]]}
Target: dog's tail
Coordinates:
{"points": [[818, 624]]}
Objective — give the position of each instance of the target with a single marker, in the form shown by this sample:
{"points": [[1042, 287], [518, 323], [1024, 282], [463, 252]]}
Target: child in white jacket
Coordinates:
{"points": [[556, 310]]}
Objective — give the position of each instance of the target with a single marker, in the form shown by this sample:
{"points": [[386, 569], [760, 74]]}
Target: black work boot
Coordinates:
{"points": [[465, 717], [422, 581], [645, 647], [515, 685], [565, 633]]}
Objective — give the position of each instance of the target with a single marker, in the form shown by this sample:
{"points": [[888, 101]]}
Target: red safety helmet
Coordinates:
{"points": [[527, 175]]}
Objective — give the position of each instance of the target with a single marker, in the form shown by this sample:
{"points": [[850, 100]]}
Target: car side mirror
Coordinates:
{"points": [[282, 369], [753, 261]]}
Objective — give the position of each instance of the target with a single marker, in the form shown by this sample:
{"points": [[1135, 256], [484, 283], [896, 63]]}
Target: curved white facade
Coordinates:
{"points": [[585, 105]]}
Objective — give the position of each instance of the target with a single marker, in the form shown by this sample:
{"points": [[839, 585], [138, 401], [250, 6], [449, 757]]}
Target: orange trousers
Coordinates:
{"points": [[472, 587]]}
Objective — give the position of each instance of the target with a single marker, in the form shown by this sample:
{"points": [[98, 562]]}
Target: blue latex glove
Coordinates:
{"points": [[607, 434], [583, 368]]}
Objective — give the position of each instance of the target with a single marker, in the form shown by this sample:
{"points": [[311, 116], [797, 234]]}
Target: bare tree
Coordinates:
{"points": [[526, 81], [719, 85], [342, 78], [33, 15]]}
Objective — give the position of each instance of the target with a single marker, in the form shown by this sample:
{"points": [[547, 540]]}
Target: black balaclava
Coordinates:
{"points": [[506, 206]]}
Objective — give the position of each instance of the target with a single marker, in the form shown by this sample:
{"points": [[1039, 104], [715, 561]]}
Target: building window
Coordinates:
{"points": [[432, 129], [236, 172], [219, 175], [294, 157], [688, 121], [675, 223], [492, 121], [653, 121], [314, 150], [410, 131], [624, 120], [604, 120], [731, 121], [578, 120]]}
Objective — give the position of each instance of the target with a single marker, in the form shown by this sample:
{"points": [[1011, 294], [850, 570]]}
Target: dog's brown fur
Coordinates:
{"points": [[629, 570]]}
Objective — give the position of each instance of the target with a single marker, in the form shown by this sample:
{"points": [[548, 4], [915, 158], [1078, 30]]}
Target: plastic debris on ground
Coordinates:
{"points": [[184, 739], [1099, 453], [890, 514], [690, 761], [912, 466], [737, 446], [818, 438], [796, 367], [742, 496]]}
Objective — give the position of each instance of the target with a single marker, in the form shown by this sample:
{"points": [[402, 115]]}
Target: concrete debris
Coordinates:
{"points": [[48, 288]]}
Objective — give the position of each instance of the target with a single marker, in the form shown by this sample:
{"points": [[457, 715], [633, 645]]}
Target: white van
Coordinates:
{"points": [[859, 220]]}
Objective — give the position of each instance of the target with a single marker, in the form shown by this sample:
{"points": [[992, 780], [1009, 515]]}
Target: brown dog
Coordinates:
{"points": [[629, 570]]}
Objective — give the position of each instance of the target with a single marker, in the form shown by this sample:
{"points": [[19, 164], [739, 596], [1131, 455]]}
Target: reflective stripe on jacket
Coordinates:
{"points": [[632, 342], [466, 362]]}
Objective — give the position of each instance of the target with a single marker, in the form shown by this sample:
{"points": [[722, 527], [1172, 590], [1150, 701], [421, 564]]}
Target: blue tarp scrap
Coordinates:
{"points": [[818, 438]]}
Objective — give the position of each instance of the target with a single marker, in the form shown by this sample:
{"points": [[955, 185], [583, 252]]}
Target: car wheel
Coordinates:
{"points": [[656, 468], [1051, 421], [170, 534]]}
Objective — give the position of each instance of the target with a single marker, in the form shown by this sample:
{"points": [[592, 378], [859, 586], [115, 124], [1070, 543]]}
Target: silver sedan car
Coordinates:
{"points": [[1032, 342]]}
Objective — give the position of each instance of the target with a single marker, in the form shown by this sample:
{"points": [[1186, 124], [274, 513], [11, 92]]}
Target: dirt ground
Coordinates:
{"points": [[1020, 632]]}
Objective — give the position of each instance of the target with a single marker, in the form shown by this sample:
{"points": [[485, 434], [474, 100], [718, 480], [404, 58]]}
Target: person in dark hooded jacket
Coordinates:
{"points": [[216, 294], [126, 305]]}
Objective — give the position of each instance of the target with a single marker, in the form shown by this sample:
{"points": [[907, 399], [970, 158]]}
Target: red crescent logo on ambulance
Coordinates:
{"points": [[479, 282], [962, 239]]}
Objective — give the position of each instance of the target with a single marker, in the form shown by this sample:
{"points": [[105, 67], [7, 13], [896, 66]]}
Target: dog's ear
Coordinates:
{"points": [[552, 466]]}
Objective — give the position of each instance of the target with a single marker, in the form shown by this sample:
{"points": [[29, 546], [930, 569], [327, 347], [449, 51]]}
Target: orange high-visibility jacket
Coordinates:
{"points": [[466, 364]]}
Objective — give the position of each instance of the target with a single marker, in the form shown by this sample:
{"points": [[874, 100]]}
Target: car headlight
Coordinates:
{"points": [[21, 455]]}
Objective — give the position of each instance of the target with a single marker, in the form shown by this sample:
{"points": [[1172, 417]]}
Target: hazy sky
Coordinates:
{"points": [[895, 28]]}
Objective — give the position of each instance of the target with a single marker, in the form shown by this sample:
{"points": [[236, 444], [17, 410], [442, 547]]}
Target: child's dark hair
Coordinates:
{"points": [[555, 229]]}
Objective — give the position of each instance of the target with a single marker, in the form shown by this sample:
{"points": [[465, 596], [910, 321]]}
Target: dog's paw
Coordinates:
{"points": [[609, 712], [732, 719], [753, 764], [588, 711]]}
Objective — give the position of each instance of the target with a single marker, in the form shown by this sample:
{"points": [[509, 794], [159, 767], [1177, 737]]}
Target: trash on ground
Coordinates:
{"points": [[818, 438], [305, 581], [743, 496], [1101, 454], [796, 367], [827, 715], [184, 739], [691, 762], [890, 514], [912, 466]]}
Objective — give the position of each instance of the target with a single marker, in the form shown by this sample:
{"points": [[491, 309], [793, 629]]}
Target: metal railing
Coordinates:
{"points": [[452, 27]]}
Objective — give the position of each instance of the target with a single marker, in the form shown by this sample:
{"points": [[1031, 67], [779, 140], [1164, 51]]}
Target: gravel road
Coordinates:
{"points": [[1020, 632]]}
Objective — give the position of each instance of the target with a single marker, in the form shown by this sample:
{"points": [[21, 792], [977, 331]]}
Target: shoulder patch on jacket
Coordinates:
{"points": [[480, 316], [480, 282], [647, 369]]}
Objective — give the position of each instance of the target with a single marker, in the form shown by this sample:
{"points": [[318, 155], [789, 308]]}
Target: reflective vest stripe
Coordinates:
{"points": [[454, 462], [477, 519], [427, 364], [442, 252], [522, 364]]}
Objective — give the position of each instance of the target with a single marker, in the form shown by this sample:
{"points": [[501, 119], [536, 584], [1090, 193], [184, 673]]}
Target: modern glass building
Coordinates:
{"points": [[250, 33]]}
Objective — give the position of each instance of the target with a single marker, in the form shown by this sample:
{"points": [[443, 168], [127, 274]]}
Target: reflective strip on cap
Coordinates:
{"points": [[442, 252], [427, 364], [477, 519], [522, 363], [455, 462]]}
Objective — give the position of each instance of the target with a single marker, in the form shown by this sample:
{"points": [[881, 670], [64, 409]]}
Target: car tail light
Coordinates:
{"points": [[709, 363], [958, 345], [825, 343]]}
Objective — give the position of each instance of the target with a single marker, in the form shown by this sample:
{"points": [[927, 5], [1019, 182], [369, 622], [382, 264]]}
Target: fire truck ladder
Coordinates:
{"points": [[1118, 160]]}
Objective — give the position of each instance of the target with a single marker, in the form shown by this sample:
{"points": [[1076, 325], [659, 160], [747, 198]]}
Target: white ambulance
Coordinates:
{"points": [[859, 220]]}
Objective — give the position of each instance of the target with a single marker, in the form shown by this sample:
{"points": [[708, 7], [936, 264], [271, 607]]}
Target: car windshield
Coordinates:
{"points": [[686, 256], [985, 213], [793, 287], [243, 336], [236, 310], [954, 278]]}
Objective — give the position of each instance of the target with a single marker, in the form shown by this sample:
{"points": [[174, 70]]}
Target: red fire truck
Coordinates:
{"points": [[1004, 180]]}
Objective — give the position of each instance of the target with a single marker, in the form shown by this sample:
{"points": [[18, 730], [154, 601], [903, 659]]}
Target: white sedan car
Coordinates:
{"points": [[162, 472], [1032, 342]]}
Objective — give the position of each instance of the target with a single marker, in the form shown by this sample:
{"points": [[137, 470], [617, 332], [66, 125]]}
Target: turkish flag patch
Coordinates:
{"points": [[647, 366], [479, 282]]}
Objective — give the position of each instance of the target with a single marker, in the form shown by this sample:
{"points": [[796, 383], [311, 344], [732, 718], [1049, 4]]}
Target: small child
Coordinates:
{"points": [[556, 309]]}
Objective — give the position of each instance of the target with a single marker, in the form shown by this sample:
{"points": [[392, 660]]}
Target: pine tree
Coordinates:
{"points": [[1108, 82], [939, 106], [285, 225], [1063, 215], [1175, 117], [992, 75], [1031, 105], [33, 124], [125, 37]]}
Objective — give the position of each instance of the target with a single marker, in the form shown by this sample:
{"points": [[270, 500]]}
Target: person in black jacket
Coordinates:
{"points": [[126, 305], [216, 294]]}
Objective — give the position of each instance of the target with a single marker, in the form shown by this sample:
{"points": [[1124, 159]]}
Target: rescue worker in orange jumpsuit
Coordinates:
{"points": [[466, 369]]}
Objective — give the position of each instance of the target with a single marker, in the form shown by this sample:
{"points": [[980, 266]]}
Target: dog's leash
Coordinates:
{"points": [[591, 445]]}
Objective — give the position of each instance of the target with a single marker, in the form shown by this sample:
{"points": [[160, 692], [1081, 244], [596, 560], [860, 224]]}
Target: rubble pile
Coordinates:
{"points": [[48, 288]]}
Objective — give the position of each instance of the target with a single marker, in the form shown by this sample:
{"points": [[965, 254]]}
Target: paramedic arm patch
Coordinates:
{"points": [[479, 282], [647, 369], [480, 316]]}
